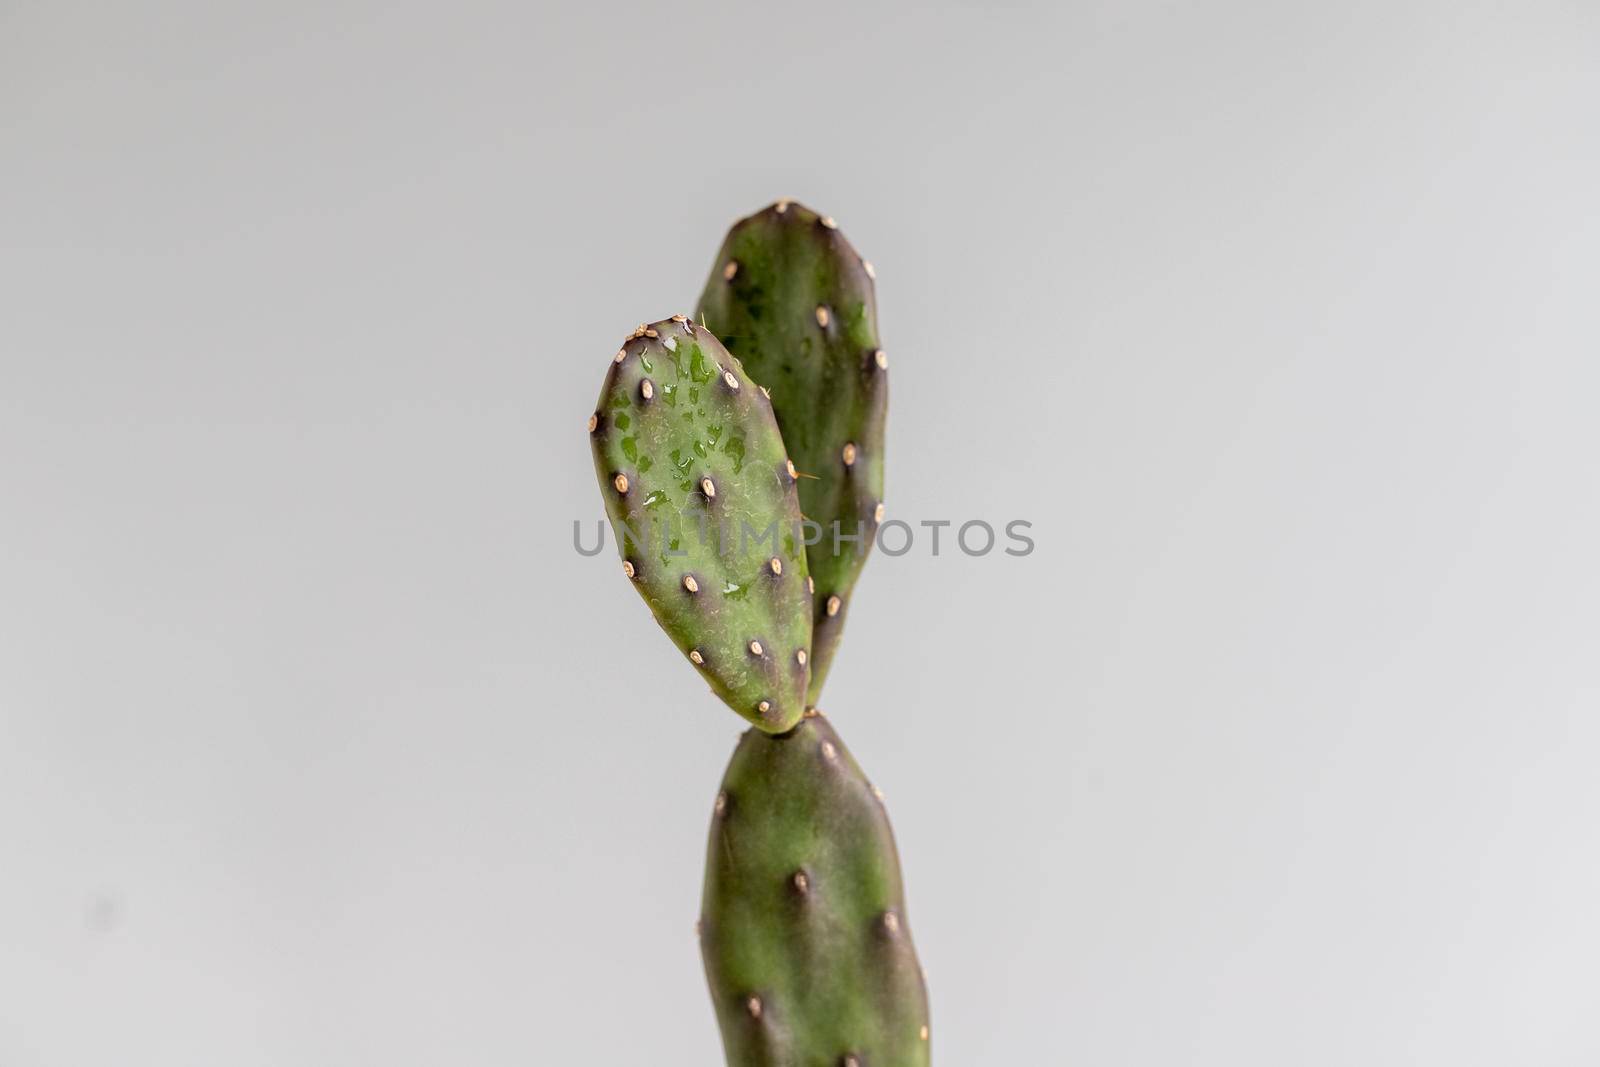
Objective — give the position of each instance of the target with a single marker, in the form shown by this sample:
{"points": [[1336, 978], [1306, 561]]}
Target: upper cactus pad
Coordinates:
{"points": [[702, 500], [793, 300]]}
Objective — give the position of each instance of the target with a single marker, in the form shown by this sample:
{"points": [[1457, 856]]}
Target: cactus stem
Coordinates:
{"points": [[801, 318], [821, 933], [721, 601]]}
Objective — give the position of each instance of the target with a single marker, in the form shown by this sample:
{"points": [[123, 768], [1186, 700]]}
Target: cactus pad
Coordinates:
{"points": [[793, 301], [803, 924], [704, 508]]}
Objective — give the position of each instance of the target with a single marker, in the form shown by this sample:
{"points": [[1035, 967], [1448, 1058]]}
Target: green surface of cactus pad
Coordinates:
{"points": [[697, 486], [790, 298], [803, 925]]}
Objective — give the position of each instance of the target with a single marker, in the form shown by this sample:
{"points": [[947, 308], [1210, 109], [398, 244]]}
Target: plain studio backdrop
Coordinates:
{"points": [[320, 745]]}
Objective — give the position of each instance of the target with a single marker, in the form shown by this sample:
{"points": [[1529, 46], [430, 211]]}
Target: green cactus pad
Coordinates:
{"points": [[803, 924], [790, 298], [697, 487]]}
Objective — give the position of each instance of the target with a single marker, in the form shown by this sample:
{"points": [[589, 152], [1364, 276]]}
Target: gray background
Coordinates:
{"points": [[321, 746]]}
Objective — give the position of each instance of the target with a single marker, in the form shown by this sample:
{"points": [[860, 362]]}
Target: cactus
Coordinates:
{"points": [[803, 924], [707, 477], [791, 298], [702, 500]]}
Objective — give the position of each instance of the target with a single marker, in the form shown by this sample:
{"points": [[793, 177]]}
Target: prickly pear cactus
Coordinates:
{"points": [[793, 300], [803, 923], [701, 497]]}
